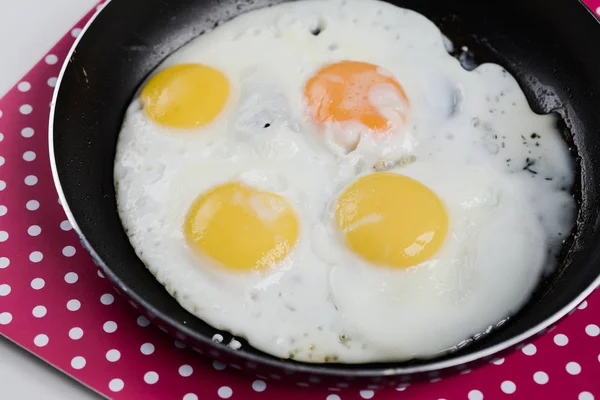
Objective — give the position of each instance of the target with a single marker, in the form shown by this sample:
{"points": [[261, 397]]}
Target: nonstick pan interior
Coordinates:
{"points": [[552, 51]]}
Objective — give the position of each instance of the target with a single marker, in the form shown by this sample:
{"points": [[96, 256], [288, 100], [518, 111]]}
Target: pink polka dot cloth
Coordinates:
{"points": [[55, 303]]}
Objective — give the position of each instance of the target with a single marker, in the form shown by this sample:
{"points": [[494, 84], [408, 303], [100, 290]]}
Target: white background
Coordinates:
{"points": [[28, 29]]}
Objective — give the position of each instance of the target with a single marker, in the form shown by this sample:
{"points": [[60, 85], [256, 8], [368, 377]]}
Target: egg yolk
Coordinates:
{"points": [[391, 219], [185, 95], [240, 227], [342, 92]]}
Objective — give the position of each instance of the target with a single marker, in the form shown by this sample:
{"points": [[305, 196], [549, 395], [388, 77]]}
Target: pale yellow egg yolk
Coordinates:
{"points": [[340, 92], [185, 95], [240, 227], [391, 219]]}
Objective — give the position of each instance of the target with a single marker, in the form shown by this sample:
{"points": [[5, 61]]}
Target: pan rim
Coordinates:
{"points": [[320, 369]]}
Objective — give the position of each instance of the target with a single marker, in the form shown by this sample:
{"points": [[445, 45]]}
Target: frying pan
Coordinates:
{"points": [[550, 47]]}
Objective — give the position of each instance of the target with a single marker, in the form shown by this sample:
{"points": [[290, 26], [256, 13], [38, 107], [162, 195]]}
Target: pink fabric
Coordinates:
{"points": [[55, 303]]}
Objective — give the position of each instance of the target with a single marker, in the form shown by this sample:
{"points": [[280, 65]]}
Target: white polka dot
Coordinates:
{"points": [[219, 365], [3, 236], [592, 330], [29, 156], [27, 132], [573, 368], [147, 348], [73, 305], [0, 113], [529, 350], [225, 392], [76, 333], [68, 251], [32, 205], [1, 160], [39, 311], [51, 59], [540, 377], [4, 289], [31, 180], [3, 211], [583, 305], [5, 318], [1, 137], [185, 370], [36, 256], [78, 362], [34, 230], [113, 355], [100, 274], [259, 386], [24, 86], [508, 387], [41, 340], [25, 109], [71, 277], [52, 81], [597, 12], [37, 283], [475, 395], [109, 326], [76, 32], [2, 185], [151, 377], [367, 394], [4, 262], [190, 396], [333, 397], [107, 299], [143, 321], [178, 344], [116, 385], [65, 225], [587, 395], [561, 340]]}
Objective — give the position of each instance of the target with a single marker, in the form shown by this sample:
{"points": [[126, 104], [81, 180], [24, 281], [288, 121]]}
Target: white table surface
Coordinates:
{"points": [[28, 29]]}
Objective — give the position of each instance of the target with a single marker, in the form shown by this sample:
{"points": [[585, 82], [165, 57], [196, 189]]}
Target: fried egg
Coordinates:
{"points": [[439, 239], [324, 180]]}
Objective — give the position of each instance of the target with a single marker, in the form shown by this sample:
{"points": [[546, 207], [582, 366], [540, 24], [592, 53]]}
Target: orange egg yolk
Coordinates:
{"points": [[341, 92], [240, 227], [391, 219], [185, 95]]}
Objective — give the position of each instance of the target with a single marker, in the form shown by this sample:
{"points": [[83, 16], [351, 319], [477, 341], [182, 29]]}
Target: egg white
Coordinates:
{"points": [[323, 303]]}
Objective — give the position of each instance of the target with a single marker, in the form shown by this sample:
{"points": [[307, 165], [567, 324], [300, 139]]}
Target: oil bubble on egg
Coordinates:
{"points": [[324, 112]]}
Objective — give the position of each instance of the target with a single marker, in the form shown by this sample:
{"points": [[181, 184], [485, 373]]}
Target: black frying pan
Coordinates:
{"points": [[551, 47]]}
